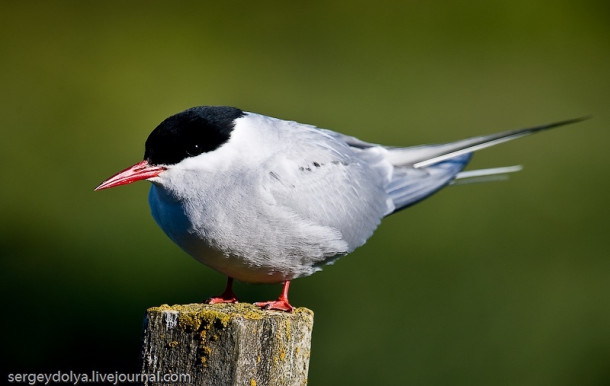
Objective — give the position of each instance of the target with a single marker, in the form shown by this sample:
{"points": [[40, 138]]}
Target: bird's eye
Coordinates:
{"points": [[194, 149]]}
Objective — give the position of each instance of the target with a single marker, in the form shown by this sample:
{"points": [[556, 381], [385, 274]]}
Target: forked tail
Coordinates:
{"points": [[420, 171]]}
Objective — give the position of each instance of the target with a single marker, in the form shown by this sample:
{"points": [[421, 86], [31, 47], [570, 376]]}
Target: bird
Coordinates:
{"points": [[265, 200]]}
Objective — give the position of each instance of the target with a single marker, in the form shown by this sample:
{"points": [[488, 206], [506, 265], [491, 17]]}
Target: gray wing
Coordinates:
{"points": [[420, 171], [324, 181], [348, 185]]}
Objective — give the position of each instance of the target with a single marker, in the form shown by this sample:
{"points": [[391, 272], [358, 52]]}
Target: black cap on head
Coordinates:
{"points": [[190, 133]]}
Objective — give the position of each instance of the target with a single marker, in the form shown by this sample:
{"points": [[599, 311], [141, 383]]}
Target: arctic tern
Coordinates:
{"points": [[265, 200]]}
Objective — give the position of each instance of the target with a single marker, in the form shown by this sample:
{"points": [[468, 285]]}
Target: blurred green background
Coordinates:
{"points": [[501, 283]]}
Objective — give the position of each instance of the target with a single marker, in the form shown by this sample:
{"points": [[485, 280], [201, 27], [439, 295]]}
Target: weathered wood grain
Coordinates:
{"points": [[228, 344]]}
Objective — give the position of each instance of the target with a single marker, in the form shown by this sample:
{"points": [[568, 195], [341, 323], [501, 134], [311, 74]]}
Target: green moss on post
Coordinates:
{"points": [[228, 344]]}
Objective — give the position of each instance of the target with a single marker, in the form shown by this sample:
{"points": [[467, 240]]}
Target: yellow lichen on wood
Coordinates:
{"points": [[172, 344]]}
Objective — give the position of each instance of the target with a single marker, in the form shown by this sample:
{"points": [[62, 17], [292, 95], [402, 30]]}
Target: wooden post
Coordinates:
{"points": [[227, 344]]}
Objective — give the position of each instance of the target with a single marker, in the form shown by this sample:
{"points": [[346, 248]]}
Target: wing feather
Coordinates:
{"points": [[326, 182]]}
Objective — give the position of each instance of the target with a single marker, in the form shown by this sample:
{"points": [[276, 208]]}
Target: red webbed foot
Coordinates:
{"points": [[278, 305], [281, 304], [221, 299]]}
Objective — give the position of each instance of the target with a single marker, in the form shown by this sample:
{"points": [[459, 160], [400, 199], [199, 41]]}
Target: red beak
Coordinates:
{"points": [[140, 171]]}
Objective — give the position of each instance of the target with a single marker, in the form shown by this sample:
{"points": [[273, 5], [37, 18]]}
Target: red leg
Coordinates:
{"points": [[281, 304], [226, 297]]}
